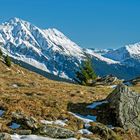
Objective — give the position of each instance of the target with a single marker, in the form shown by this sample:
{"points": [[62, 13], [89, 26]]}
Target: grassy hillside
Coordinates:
{"points": [[35, 95]]}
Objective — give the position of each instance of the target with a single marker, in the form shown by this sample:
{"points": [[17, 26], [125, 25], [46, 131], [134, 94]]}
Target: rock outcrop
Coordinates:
{"points": [[33, 126], [5, 136], [56, 132], [103, 131], [122, 109], [107, 80], [25, 121]]}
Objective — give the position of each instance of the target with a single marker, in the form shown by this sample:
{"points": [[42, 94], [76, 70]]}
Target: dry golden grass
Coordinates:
{"points": [[43, 98], [35, 95]]}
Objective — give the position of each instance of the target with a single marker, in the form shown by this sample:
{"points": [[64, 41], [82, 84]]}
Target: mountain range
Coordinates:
{"points": [[52, 54]]}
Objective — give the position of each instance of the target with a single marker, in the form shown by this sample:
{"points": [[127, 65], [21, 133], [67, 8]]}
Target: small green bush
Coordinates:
{"points": [[7, 60]]}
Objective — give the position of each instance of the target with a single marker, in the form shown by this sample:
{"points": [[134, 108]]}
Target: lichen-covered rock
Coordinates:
{"points": [[56, 132], [31, 122], [24, 120], [23, 132], [127, 107], [5, 136], [105, 132], [123, 109]]}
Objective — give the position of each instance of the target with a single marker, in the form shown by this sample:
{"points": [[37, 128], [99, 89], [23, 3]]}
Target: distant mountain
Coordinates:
{"points": [[50, 51], [128, 55], [101, 51]]}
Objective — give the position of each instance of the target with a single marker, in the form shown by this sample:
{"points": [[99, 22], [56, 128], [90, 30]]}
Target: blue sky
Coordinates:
{"points": [[90, 23]]}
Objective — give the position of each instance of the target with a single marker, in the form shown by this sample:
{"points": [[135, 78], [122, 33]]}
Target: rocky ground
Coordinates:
{"points": [[32, 104]]}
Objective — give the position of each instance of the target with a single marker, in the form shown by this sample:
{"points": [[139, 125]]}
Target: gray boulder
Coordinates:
{"points": [[126, 104], [122, 109], [56, 132], [5, 136]]}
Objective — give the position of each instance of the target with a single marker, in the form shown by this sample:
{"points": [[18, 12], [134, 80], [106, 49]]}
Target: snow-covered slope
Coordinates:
{"points": [[50, 51], [128, 55], [100, 57]]}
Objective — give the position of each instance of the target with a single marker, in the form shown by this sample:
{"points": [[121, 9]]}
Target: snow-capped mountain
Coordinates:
{"points": [[50, 51], [128, 55]]}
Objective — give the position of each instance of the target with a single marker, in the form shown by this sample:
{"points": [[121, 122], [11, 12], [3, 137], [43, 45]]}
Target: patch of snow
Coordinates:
{"points": [[85, 119], [89, 118], [113, 86], [35, 137], [57, 122], [15, 86], [1, 112], [84, 139], [85, 131], [14, 125], [95, 104]]}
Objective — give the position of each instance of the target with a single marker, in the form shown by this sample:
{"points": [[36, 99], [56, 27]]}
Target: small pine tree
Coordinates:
{"points": [[1, 53], [7, 60], [86, 73]]}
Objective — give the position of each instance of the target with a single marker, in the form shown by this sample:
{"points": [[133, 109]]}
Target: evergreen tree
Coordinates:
{"points": [[7, 61], [1, 53], [86, 74]]}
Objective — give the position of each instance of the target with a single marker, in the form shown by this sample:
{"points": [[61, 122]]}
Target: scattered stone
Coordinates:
{"points": [[119, 130], [56, 132], [17, 115], [32, 122], [107, 80], [5, 136], [27, 121], [105, 132], [23, 132]]}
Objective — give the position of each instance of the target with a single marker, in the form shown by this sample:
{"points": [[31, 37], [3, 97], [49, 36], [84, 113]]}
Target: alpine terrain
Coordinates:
{"points": [[50, 53]]}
